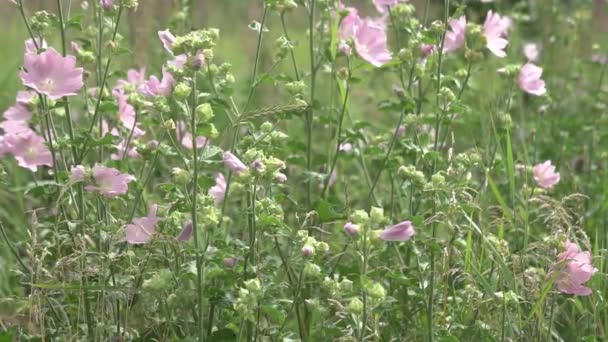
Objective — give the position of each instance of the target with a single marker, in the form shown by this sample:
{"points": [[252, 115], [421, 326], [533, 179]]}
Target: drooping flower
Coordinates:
{"points": [[545, 175], [186, 233], [495, 29], [454, 39], [351, 228], [234, 163], [575, 268], [400, 232], [531, 51], [167, 38], [530, 81], [218, 191], [51, 74], [383, 5], [109, 182], [155, 87], [29, 149], [77, 173], [142, 229]]}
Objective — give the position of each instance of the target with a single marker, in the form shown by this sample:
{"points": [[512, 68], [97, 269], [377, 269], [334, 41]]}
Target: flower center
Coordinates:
{"points": [[47, 85]]}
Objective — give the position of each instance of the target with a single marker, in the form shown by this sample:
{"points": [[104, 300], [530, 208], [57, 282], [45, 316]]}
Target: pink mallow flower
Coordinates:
{"points": [[400, 232], [29, 149], [351, 228], [495, 29], [77, 173], [233, 163], [109, 182], [18, 112], [155, 87], [167, 38], [383, 5], [530, 81], [218, 191], [51, 74], [545, 175], [575, 268], [186, 233], [454, 39], [142, 229], [531, 51], [106, 4], [30, 45], [371, 43]]}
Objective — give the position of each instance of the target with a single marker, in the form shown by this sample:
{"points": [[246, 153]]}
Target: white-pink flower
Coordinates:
{"points": [[545, 175], [29, 149], [495, 29], [530, 81], [218, 191], [142, 229], [454, 39], [575, 268], [109, 182], [400, 232], [531, 51], [51, 74]]}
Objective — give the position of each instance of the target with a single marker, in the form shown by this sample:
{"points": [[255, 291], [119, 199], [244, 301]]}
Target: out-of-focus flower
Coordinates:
{"points": [[280, 177], [308, 250], [427, 50], [120, 153], [383, 5], [51, 74], [495, 29], [234, 163], [454, 39], [28, 148], [18, 112], [576, 268], [369, 37], [346, 147], [230, 262], [400, 232], [167, 38], [30, 45], [109, 182], [530, 81], [218, 191], [77, 173], [545, 175], [155, 87], [351, 228], [142, 229], [126, 114], [531, 51], [106, 4], [186, 233]]}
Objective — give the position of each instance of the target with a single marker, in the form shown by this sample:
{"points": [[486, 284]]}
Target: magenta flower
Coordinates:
{"points": [[454, 39], [530, 81], [109, 182], [155, 87], [351, 228], [167, 38], [186, 233], [51, 74], [28, 149], [106, 4], [383, 5], [233, 163], [308, 251], [77, 173], [576, 268], [495, 28], [142, 229], [371, 43], [545, 175], [531, 51], [218, 191], [400, 232], [427, 50]]}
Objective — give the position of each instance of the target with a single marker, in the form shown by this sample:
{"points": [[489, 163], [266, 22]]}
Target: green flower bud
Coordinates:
{"points": [[253, 285], [376, 214], [322, 247], [346, 285], [182, 91], [437, 180], [312, 270], [169, 125], [266, 127], [377, 291], [355, 306], [204, 112], [359, 217], [181, 176]]}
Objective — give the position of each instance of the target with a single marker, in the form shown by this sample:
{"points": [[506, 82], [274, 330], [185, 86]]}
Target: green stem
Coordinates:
{"points": [[310, 112]]}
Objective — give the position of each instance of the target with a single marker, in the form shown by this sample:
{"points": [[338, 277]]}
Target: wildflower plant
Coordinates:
{"points": [[381, 172]]}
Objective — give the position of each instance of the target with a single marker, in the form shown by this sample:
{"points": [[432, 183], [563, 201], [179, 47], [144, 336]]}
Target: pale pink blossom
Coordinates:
{"points": [[280, 177], [30, 46], [371, 43], [120, 153], [77, 173], [26, 98], [106, 4], [308, 250], [135, 78], [530, 81], [383, 5], [346, 147], [51, 74], [351, 228], [495, 29], [29, 149], [15, 126], [427, 50], [545, 175], [531, 51], [155, 87], [109, 182], [127, 115], [230, 262], [454, 39], [17, 112], [167, 38], [575, 268], [400, 232], [233, 163], [186, 233], [218, 191], [142, 229]]}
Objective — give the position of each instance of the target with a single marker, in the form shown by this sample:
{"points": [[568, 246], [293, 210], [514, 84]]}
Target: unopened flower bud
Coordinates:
{"points": [[204, 112]]}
